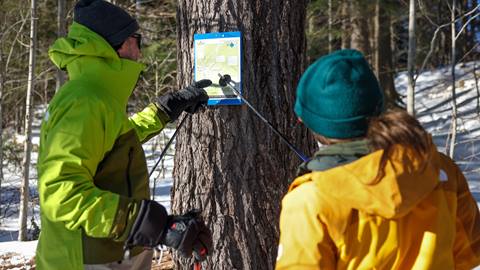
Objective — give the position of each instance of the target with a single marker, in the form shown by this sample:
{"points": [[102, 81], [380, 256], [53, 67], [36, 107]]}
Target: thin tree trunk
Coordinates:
{"points": [[61, 32], [138, 8], [476, 87], [2, 89], [451, 151], [330, 24], [443, 47], [24, 190], [411, 59], [229, 163], [375, 43], [383, 64], [360, 34], [476, 24], [393, 44], [310, 32], [346, 24]]}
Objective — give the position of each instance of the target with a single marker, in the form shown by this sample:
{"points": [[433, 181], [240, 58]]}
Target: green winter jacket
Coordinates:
{"points": [[92, 172]]}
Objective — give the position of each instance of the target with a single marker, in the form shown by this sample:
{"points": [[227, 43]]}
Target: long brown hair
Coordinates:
{"points": [[396, 127]]}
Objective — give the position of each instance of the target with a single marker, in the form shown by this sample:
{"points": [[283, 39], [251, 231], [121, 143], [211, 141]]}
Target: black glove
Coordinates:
{"points": [[188, 234], [203, 246], [188, 99], [149, 226]]}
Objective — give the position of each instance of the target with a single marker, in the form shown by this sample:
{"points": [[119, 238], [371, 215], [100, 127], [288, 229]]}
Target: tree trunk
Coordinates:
{"points": [[411, 59], [360, 34], [2, 89], [61, 32], [346, 24], [24, 190], [138, 8], [330, 25], [229, 163], [383, 64], [453, 138], [476, 27], [443, 45], [476, 87]]}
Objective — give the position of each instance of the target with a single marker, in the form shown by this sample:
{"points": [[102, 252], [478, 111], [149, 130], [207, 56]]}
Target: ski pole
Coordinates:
{"points": [[227, 80], [164, 151]]}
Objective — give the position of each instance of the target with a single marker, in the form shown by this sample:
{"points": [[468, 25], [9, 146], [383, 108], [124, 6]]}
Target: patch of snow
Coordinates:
{"points": [[27, 249]]}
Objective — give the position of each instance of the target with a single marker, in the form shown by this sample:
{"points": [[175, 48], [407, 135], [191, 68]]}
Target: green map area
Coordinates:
{"points": [[214, 56]]}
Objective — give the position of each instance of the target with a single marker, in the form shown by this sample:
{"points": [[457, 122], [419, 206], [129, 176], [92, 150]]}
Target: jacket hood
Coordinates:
{"points": [[409, 177], [85, 54], [81, 41]]}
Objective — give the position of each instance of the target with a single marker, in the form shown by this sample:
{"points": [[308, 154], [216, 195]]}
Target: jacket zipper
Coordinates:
{"points": [[127, 248], [129, 182]]}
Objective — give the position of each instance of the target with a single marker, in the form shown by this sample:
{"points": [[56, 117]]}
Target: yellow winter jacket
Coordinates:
{"points": [[420, 215]]}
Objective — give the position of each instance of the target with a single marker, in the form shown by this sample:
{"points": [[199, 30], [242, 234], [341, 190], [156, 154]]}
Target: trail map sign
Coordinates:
{"points": [[219, 53]]}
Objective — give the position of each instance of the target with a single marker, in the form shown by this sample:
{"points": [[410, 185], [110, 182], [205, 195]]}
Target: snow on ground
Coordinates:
{"points": [[433, 106]]}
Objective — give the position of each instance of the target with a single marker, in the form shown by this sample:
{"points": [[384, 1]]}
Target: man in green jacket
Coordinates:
{"points": [[93, 178]]}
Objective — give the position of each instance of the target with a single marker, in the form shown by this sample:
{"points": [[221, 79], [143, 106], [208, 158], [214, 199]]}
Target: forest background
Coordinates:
{"points": [[440, 37]]}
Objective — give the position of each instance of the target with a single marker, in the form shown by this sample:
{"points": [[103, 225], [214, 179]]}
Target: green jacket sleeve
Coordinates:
{"points": [[71, 147], [149, 122]]}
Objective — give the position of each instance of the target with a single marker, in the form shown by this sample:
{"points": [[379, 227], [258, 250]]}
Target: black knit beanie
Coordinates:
{"points": [[114, 24]]}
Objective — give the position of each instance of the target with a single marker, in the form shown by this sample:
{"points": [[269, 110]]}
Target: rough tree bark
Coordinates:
{"points": [[24, 189], [227, 162]]}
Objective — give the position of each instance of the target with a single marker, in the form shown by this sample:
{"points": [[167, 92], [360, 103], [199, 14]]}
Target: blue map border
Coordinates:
{"points": [[220, 101]]}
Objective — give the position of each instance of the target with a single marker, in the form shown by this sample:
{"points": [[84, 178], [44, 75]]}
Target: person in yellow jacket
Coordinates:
{"points": [[378, 195]]}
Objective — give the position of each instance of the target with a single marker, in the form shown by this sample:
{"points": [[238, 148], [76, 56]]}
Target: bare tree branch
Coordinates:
{"points": [[466, 23], [434, 39], [24, 21]]}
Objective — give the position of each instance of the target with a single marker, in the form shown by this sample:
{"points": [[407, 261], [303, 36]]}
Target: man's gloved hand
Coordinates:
{"points": [[188, 234], [149, 226], [203, 245], [188, 99]]}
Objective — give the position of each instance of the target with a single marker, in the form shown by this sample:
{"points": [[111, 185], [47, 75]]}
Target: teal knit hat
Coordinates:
{"points": [[337, 94]]}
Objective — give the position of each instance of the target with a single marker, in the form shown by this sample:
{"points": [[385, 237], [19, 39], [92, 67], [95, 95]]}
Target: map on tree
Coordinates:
{"points": [[219, 53]]}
